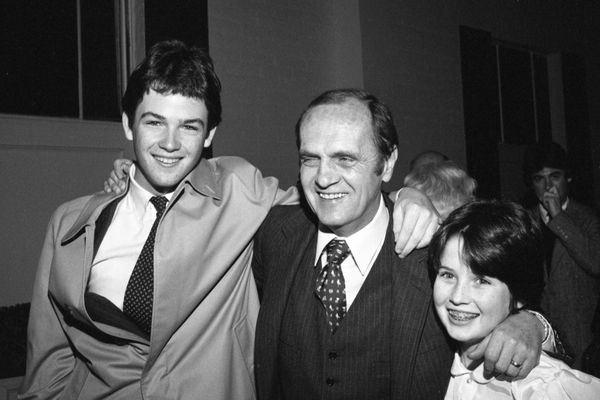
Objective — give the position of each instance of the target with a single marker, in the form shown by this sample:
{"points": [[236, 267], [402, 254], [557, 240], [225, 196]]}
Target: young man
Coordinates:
{"points": [[149, 294], [571, 245]]}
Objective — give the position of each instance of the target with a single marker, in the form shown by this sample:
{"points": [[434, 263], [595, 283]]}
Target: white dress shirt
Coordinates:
{"points": [[122, 243], [364, 246]]}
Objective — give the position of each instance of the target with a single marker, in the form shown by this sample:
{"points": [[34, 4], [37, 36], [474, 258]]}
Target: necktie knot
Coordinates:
{"points": [[337, 251], [160, 203]]}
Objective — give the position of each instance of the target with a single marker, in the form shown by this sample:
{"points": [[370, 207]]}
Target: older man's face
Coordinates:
{"points": [[338, 165]]}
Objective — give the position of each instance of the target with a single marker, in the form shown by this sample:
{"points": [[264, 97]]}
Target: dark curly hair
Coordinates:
{"points": [[171, 67], [544, 155]]}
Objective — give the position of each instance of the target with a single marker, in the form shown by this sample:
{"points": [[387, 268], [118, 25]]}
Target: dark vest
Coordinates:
{"points": [[353, 363]]}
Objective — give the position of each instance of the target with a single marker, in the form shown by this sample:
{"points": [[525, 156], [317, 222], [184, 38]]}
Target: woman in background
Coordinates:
{"points": [[487, 264]]}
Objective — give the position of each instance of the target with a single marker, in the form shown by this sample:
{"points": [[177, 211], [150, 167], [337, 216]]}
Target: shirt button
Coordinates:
{"points": [[330, 381], [332, 355], [469, 380]]}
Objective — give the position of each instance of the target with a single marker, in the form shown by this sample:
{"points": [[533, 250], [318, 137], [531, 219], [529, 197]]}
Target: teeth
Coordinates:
{"points": [[164, 160], [331, 196], [462, 315]]}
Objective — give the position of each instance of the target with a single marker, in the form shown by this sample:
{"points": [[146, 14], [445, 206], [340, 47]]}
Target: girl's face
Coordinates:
{"points": [[470, 306]]}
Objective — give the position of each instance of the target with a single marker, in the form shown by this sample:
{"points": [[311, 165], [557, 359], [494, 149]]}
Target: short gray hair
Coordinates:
{"points": [[446, 184]]}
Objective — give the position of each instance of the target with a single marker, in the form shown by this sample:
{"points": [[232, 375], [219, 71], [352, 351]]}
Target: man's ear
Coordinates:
{"points": [[126, 129], [388, 166], [209, 137]]}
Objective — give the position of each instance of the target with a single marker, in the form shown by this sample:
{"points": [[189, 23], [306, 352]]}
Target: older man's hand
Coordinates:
{"points": [[117, 180], [415, 220], [513, 348]]}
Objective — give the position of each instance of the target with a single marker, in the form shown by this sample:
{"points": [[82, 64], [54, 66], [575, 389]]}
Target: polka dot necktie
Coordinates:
{"points": [[331, 288], [140, 289]]}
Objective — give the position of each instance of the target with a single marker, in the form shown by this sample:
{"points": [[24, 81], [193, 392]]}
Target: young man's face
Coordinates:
{"points": [[169, 133], [339, 164], [550, 180]]}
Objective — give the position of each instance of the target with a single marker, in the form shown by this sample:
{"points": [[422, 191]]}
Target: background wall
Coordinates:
{"points": [[273, 57], [412, 58], [43, 163]]}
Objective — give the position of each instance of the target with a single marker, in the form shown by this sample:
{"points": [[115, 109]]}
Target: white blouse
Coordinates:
{"points": [[550, 380]]}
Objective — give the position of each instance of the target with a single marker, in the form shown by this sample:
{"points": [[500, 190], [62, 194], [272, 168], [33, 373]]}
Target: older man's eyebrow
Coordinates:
{"points": [[344, 154], [304, 153]]}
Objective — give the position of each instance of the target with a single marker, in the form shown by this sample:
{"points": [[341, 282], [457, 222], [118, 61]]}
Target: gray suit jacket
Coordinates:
{"points": [[421, 352], [573, 284]]}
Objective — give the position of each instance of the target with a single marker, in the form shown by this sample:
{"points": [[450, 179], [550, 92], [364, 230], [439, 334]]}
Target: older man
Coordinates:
{"points": [[342, 317]]}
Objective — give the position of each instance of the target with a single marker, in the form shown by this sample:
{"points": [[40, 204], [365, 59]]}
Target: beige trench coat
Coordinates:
{"points": [[205, 302]]}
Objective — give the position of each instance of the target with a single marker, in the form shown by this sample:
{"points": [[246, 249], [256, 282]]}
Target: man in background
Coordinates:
{"points": [[446, 184], [571, 244], [427, 157]]}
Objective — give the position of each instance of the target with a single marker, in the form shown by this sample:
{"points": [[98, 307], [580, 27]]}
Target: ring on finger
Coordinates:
{"points": [[516, 364]]}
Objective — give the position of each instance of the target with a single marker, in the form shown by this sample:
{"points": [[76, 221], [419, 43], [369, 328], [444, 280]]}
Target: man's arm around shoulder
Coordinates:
{"points": [[264, 189]]}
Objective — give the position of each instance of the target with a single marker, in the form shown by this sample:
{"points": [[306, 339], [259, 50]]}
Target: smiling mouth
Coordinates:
{"points": [[166, 161], [462, 316], [332, 196]]}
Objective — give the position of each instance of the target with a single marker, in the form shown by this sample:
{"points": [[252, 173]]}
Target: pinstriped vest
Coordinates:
{"points": [[354, 363]]}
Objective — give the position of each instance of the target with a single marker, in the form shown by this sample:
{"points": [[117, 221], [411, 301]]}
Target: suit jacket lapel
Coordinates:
{"points": [[411, 300], [298, 234], [559, 252]]}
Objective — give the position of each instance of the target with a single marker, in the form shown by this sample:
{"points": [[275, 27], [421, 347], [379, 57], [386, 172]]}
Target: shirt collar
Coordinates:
{"points": [[364, 244], [204, 179], [458, 368], [544, 213], [137, 196]]}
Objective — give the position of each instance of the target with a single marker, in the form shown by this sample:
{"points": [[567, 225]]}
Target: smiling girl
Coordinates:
{"points": [[487, 264]]}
